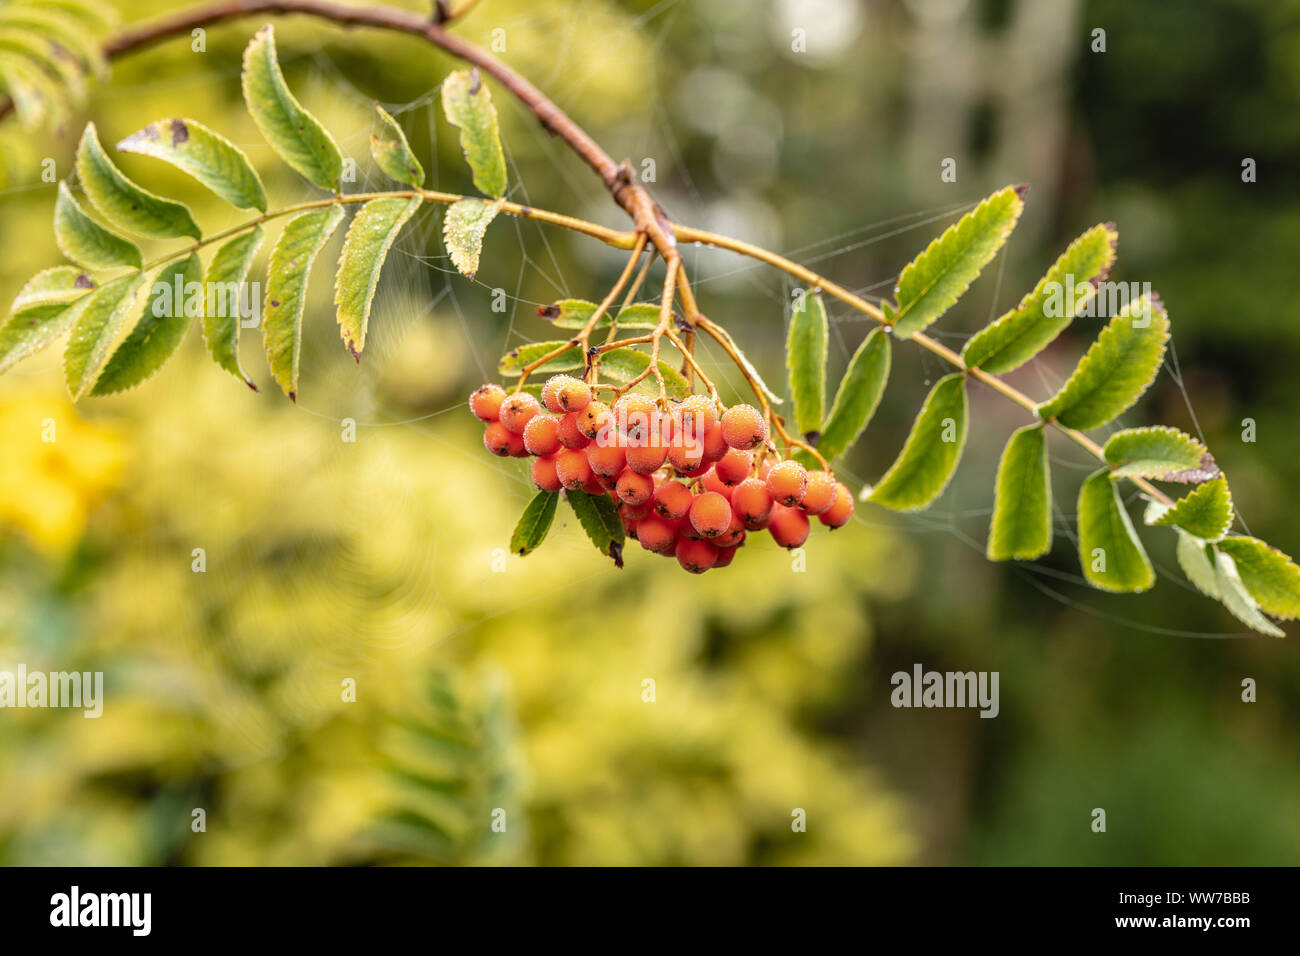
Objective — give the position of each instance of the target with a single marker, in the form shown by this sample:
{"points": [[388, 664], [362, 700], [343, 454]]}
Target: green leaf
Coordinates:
{"points": [[292, 132], [225, 293], [1117, 369], [393, 153], [1159, 452], [462, 231], [468, 106], [85, 241], [513, 362], [44, 309], [931, 452], [859, 394], [805, 358], [175, 298], [38, 99], [1194, 559], [105, 312], [366, 247], [1109, 550], [1022, 507], [599, 518], [125, 204], [933, 281], [534, 522], [1270, 576], [1205, 512], [1237, 599], [75, 38], [623, 365], [46, 53], [209, 157], [575, 313], [286, 290], [1017, 336]]}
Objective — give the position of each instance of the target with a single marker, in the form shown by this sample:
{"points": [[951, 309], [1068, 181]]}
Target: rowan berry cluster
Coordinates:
{"points": [[687, 481]]}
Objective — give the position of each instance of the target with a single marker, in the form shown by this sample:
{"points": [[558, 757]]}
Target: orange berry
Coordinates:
{"points": [[608, 461], [485, 401], [637, 512], [673, 500], [572, 468], [496, 438], [656, 534], [595, 485], [695, 555], [787, 482], [715, 445], [820, 493], [645, 459], [544, 474], [517, 410], [542, 435], [725, 557], [789, 526], [710, 514], [595, 419], [636, 416], [686, 458], [734, 466], [633, 488], [838, 514], [517, 449], [734, 534], [570, 436], [743, 427], [712, 482], [752, 503], [696, 414], [564, 393], [765, 468]]}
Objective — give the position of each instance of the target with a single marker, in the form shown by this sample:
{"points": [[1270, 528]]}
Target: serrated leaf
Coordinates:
{"points": [[286, 290], [462, 232], [513, 362], [1117, 369], [1109, 550], [46, 53], [208, 156], [1237, 599], [1205, 511], [1017, 336], [124, 203], [858, 395], [933, 281], [930, 455], [1022, 506], [75, 39], [85, 241], [1270, 576], [575, 313], [44, 309], [534, 522], [1160, 452], [393, 153], [366, 247], [599, 518], [805, 358], [175, 297], [98, 322], [291, 131], [468, 105], [1196, 563], [225, 294], [623, 365], [37, 97]]}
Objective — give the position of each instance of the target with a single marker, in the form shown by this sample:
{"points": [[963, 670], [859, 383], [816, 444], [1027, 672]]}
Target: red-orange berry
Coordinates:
{"points": [[695, 555], [696, 414], [496, 438], [608, 461], [637, 417], [542, 435], [743, 427], [485, 401], [517, 449], [645, 459], [820, 493], [572, 468], [734, 534], [789, 526], [787, 483], [710, 514], [838, 514], [517, 410], [673, 500], [569, 434], [637, 512], [656, 534], [564, 393], [686, 458], [734, 466], [634, 488], [715, 445], [752, 503], [544, 474], [712, 482], [596, 486], [725, 556], [595, 419]]}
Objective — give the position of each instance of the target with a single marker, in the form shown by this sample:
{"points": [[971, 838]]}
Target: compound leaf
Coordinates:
{"points": [[512, 364], [1160, 452], [124, 203], [931, 452], [105, 312], [1109, 549], [1022, 504], [858, 395], [225, 296], [208, 156], [1237, 598], [575, 313], [805, 358], [1205, 511], [463, 229], [534, 522], [1270, 576], [42, 311], [468, 105], [85, 241], [599, 518], [366, 247]]}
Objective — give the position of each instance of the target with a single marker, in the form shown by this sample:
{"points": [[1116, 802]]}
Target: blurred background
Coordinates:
{"points": [[487, 683]]}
